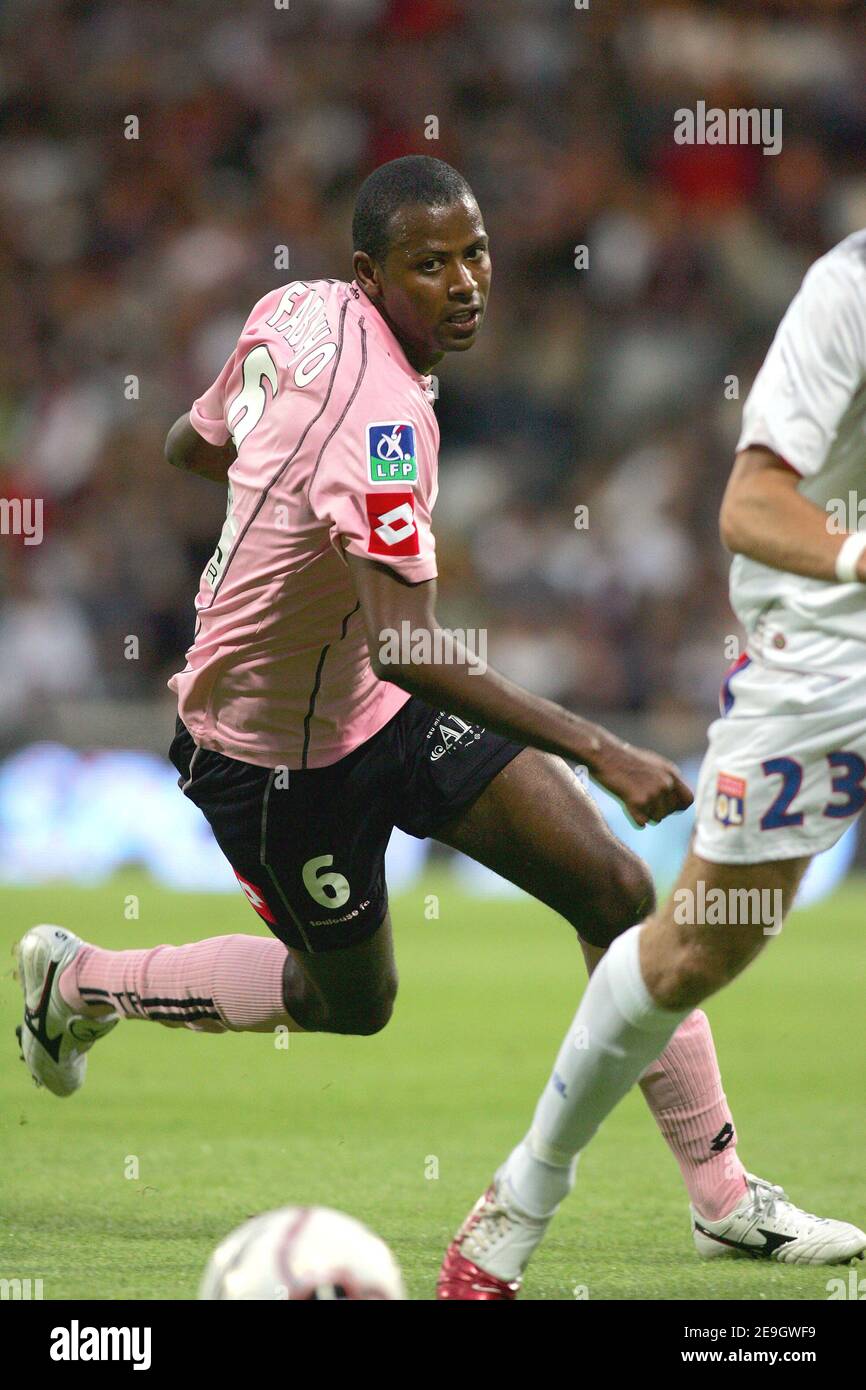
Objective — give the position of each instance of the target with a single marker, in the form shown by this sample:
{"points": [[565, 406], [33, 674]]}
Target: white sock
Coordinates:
{"points": [[538, 1187], [617, 1031]]}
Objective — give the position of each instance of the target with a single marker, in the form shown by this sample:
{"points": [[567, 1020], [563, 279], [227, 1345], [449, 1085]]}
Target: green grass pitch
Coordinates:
{"points": [[404, 1129]]}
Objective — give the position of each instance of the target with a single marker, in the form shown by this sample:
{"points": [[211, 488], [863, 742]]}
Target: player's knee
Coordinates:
{"points": [[635, 886], [625, 896], [371, 1019], [365, 1016]]}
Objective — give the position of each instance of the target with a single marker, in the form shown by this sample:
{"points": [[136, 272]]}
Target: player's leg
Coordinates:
{"points": [[649, 977], [617, 1032], [75, 993], [240, 983], [640, 991], [655, 974], [537, 826], [308, 851], [684, 1091], [781, 781]]}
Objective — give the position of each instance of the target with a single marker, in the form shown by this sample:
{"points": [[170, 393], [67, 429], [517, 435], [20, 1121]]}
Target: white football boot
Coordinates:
{"points": [[54, 1039], [766, 1225]]}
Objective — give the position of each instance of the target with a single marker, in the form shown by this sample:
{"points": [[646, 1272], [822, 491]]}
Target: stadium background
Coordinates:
{"points": [[128, 265], [602, 387]]}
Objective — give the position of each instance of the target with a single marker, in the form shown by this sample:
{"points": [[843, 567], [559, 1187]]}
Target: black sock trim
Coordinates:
{"points": [[176, 1003], [184, 1018]]}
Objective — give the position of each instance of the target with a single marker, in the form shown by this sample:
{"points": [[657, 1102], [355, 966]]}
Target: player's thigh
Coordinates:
{"points": [[716, 921], [537, 826]]}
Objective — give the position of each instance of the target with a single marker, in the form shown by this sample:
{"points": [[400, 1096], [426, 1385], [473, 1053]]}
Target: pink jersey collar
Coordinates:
{"points": [[387, 338]]}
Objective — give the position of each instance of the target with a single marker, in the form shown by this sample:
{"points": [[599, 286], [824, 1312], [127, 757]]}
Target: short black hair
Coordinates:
{"points": [[415, 178]]}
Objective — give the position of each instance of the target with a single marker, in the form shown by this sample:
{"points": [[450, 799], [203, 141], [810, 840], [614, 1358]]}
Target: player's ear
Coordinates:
{"points": [[367, 274]]}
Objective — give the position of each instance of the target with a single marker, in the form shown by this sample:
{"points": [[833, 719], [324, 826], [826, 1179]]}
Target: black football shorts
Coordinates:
{"points": [[308, 847]]}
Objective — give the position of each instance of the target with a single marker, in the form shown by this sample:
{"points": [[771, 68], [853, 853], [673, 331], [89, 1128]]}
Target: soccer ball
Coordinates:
{"points": [[302, 1253]]}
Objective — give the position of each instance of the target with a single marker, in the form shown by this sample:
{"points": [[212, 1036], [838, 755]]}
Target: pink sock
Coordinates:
{"points": [[227, 982], [683, 1089]]}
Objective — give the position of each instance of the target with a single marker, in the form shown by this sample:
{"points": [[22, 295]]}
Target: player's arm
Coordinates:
{"points": [[185, 448], [648, 785], [815, 366], [765, 517]]}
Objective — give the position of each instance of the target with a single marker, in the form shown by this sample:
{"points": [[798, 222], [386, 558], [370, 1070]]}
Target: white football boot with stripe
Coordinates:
{"points": [[54, 1039], [767, 1226]]}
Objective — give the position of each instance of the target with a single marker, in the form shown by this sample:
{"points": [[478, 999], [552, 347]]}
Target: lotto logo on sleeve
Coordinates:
{"points": [[391, 451], [392, 523], [730, 799]]}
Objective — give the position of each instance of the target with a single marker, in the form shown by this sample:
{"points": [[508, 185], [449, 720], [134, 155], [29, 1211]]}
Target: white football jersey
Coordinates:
{"points": [[808, 404]]}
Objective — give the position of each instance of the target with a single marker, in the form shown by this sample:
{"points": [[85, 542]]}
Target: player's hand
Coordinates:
{"points": [[648, 786]]}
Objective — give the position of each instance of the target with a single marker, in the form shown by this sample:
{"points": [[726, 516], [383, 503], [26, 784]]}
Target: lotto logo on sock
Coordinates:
{"points": [[256, 899], [723, 1138], [730, 799], [392, 523]]}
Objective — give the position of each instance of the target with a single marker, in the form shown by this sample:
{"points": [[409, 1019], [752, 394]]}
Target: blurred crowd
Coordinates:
{"points": [[155, 155]]}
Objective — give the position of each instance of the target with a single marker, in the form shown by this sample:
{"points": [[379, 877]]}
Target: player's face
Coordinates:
{"points": [[432, 286]]}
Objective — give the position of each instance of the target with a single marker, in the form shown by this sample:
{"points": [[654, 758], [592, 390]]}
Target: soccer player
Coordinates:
{"points": [[784, 777], [304, 737]]}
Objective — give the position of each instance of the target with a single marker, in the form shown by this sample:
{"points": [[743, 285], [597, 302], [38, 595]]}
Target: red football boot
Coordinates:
{"points": [[487, 1257]]}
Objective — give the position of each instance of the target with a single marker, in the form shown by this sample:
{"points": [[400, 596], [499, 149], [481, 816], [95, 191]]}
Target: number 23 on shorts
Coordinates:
{"points": [[848, 771]]}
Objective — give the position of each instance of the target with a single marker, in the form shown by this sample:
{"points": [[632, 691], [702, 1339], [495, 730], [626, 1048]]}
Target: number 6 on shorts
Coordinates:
{"points": [[331, 890]]}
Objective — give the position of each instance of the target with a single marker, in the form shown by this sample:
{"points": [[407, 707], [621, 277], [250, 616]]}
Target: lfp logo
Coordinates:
{"points": [[391, 451]]}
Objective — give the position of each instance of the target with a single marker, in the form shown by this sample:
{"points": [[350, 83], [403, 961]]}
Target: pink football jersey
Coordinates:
{"points": [[336, 449]]}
